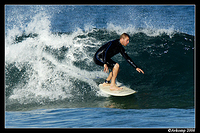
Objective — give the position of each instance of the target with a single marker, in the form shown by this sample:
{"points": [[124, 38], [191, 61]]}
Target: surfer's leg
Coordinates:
{"points": [[110, 64], [109, 77], [114, 76], [107, 81]]}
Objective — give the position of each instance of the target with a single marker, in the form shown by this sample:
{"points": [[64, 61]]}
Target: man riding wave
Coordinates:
{"points": [[103, 58]]}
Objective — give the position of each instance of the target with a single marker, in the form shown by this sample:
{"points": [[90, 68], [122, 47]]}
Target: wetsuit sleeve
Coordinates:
{"points": [[107, 46], [128, 59]]}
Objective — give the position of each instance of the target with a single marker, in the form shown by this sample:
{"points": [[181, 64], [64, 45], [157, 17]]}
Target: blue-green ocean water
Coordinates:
{"points": [[52, 81]]}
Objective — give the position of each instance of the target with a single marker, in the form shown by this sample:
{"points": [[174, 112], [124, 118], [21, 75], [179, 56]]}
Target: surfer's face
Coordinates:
{"points": [[125, 41]]}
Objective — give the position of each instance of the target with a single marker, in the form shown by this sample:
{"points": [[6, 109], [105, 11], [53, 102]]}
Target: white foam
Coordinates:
{"points": [[131, 29], [47, 77]]}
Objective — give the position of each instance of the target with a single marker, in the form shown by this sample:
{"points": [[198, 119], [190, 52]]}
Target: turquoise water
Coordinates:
{"points": [[52, 81]]}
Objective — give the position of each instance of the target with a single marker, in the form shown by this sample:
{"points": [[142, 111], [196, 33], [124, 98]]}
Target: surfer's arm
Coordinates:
{"points": [[106, 50], [106, 68], [128, 59]]}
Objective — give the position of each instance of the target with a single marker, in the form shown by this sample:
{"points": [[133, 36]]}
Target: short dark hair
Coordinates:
{"points": [[124, 35]]}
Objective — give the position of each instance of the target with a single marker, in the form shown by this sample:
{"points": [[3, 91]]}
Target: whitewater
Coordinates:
{"points": [[49, 66]]}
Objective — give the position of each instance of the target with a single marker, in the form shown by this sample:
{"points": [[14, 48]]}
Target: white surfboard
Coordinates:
{"points": [[123, 92]]}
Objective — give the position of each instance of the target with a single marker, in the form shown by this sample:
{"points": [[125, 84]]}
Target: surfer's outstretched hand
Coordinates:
{"points": [[140, 70]]}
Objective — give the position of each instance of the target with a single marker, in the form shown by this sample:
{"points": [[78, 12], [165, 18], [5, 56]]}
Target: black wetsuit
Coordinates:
{"points": [[107, 51]]}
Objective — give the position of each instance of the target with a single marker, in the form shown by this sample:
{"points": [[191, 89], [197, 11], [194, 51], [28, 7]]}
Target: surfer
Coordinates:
{"points": [[106, 52]]}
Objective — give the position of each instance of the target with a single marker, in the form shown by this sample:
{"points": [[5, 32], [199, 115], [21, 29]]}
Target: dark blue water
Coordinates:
{"points": [[101, 117], [52, 81]]}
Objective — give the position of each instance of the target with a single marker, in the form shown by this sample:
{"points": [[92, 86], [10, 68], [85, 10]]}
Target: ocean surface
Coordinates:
{"points": [[51, 80]]}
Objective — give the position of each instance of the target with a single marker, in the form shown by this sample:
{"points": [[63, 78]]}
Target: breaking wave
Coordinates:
{"points": [[44, 68]]}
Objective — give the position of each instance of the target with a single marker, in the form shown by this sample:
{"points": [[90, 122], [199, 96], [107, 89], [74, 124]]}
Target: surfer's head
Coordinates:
{"points": [[124, 39]]}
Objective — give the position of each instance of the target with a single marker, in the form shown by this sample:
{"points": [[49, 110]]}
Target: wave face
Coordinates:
{"points": [[45, 68]]}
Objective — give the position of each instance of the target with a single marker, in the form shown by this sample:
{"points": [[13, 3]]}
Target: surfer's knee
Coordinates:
{"points": [[116, 66]]}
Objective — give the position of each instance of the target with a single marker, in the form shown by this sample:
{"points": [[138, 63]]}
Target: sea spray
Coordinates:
{"points": [[46, 68], [45, 62]]}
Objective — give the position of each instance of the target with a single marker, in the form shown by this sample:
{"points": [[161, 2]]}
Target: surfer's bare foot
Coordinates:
{"points": [[106, 84], [115, 88]]}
